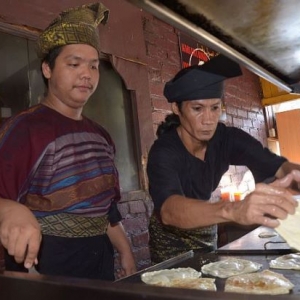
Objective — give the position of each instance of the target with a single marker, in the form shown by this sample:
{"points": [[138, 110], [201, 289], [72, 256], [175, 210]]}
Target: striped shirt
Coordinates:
{"points": [[54, 164]]}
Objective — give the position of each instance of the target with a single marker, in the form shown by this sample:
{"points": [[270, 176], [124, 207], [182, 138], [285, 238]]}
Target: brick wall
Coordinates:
{"points": [[161, 42], [136, 208]]}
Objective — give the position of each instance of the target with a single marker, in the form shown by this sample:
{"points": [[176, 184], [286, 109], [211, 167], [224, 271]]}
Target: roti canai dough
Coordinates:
{"points": [[206, 284], [165, 276], [179, 277], [230, 267], [289, 229], [265, 282], [288, 262]]}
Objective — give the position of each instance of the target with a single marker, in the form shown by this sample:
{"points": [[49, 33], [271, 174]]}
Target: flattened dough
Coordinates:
{"points": [[265, 282], [179, 277], [288, 262], [230, 267], [289, 229], [165, 276]]}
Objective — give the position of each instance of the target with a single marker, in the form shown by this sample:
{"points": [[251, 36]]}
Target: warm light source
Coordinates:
{"points": [[231, 196], [223, 117]]}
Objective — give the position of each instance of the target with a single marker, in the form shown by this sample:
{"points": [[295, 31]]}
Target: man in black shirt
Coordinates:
{"points": [[189, 158]]}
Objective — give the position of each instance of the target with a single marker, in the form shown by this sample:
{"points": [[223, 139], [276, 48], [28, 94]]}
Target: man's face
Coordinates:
{"points": [[75, 75], [199, 118]]}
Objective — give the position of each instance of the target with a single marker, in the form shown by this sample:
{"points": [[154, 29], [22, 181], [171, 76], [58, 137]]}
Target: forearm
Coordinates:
{"points": [[20, 232], [188, 213], [120, 241], [118, 238], [264, 206]]}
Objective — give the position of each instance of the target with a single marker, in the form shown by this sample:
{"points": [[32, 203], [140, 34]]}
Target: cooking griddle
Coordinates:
{"points": [[251, 246], [262, 240], [197, 260]]}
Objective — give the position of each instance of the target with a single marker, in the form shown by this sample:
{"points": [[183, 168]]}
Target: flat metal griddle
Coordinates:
{"points": [[254, 243], [251, 247], [197, 260]]}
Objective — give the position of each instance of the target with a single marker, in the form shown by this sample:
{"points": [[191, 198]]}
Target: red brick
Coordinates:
{"points": [[242, 113], [156, 88], [258, 124], [155, 25], [124, 209], [155, 75], [141, 239], [137, 207], [162, 104], [137, 224], [154, 63], [137, 195], [156, 52], [237, 122], [158, 117], [230, 110], [247, 123]]}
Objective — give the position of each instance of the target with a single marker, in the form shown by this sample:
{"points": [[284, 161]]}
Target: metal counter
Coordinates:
{"points": [[15, 286], [255, 242], [251, 247]]}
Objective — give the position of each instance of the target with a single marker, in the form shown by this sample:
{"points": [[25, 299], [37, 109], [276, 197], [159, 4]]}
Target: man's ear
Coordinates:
{"points": [[46, 70], [175, 109]]}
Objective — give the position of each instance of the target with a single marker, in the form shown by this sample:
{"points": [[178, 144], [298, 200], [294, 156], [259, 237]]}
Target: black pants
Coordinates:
{"points": [[88, 257]]}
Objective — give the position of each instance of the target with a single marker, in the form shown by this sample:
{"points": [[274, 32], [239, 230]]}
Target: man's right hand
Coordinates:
{"points": [[267, 203], [20, 232]]}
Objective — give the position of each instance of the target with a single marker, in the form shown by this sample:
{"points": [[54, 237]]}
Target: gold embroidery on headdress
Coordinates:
{"points": [[73, 26]]}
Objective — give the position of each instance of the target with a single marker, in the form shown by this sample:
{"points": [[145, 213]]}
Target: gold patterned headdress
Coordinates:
{"points": [[73, 26]]}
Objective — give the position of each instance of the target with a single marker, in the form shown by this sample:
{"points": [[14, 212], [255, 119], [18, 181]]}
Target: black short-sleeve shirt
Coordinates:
{"points": [[173, 170]]}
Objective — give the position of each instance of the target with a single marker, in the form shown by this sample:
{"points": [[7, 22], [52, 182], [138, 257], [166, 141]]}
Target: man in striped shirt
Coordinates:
{"points": [[59, 186]]}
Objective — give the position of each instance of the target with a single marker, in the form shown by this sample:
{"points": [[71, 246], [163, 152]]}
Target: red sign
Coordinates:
{"points": [[192, 52]]}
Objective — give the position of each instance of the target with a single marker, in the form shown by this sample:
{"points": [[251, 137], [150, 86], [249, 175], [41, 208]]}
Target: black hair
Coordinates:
{"points": [[171, 121], [50, 59]]}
